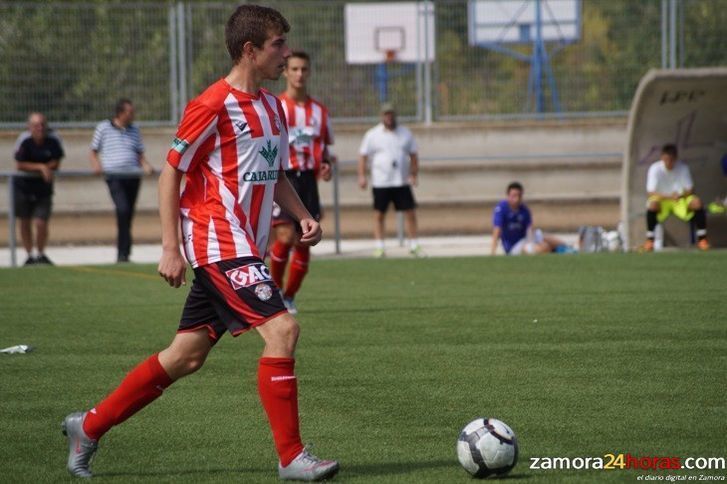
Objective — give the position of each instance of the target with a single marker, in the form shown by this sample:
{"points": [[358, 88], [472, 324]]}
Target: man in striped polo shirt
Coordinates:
{"points": [[231, 145], [121, 150], [310, 135]]}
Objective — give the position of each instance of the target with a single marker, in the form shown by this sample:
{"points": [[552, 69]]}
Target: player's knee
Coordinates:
{"points": [[284, 333], [192, 362], [654, 206], [695, 204]]}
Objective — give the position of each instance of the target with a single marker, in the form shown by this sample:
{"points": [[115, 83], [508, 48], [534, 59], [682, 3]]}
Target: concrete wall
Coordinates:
{"points": [[561, 163]]}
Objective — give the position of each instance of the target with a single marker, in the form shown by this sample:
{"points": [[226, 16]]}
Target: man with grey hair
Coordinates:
{"points": [[40, 154]]}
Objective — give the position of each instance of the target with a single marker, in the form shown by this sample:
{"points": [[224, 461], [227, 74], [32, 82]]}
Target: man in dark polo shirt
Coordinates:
{"points": [[39, 154]]}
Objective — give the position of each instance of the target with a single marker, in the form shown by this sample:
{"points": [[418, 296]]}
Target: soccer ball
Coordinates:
{"points": [[487, 446]]}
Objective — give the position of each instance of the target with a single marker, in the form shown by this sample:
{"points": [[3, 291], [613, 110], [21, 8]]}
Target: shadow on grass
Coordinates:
{"points": [[347, 470], [392, 468]]}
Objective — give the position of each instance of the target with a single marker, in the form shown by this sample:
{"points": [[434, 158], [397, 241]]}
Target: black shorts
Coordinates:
{"points": [[232, 295], [402, 197], [32, 205], [306, 186]]}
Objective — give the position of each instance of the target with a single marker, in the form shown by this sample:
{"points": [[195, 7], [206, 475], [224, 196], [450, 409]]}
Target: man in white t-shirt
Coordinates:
{"points": [[671, 191], [394, 167]]}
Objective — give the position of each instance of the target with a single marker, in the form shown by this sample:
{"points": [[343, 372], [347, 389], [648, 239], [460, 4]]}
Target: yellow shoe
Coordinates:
{"points": [[703, 244]]}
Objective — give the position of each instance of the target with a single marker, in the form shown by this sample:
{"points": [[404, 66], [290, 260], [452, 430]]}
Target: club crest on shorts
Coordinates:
{"points": [[263, 292], [248, 275]]}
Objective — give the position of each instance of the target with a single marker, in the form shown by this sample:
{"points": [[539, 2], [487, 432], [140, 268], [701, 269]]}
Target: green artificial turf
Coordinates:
{"points": [[581, 355]]}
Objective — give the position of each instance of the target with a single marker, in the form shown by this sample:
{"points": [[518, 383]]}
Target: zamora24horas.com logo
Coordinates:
{"points": [[609, 462]]}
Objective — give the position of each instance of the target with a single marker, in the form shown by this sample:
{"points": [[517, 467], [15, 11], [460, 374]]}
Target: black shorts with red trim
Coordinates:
{"points": [[306, 186], [232, 295]]}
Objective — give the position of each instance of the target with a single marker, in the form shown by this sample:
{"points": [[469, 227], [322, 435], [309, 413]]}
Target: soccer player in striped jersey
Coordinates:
{"points": [[310, 135], [231, 145]]}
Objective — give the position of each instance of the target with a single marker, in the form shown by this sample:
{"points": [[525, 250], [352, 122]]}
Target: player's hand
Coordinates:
{"points": [[326, 171], [362, 182], [172, 267], [413, 180], [148, 169], [311, 231]]}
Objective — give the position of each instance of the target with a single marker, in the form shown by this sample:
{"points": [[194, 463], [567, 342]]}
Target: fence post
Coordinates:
{"points": [[181, 56], [336, 209], [12, 242], [173, 73]]}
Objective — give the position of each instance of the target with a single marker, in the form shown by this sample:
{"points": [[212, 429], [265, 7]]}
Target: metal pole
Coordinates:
{"points": [[12, 242], [538, 60], [173, 74], [664, 27], [427, 68], [336, 210], [681, 35], [400, 228], [182, 56], [419, 74], [673, 34]]}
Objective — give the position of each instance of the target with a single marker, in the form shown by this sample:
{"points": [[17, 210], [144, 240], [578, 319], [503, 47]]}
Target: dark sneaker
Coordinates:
{"points": [[30, 261], [43, 259], [81, 448], [307, 467]]}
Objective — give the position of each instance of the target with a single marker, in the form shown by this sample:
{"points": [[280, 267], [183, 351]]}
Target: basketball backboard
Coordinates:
{"points": [[515, 21], [389, 31]]}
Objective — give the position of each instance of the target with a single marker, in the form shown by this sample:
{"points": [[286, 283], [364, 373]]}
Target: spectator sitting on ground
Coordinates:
{"points": [[512, 223]]}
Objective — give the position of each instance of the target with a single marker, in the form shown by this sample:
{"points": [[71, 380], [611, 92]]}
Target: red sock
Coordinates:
{"points": [[298, 269], [278, 391], [142, 385], [278, 260]]}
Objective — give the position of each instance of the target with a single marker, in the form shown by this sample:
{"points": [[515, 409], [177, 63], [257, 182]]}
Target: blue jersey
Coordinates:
{"points": [[513, 223]]}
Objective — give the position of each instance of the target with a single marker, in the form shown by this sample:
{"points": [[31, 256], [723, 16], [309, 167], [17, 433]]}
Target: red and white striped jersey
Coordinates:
{"points": [[309, 133], [231, 145]]}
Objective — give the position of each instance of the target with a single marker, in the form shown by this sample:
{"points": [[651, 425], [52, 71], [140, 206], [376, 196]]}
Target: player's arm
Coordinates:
{"points": [[172, 266], [413, 168], [496, 233], [288, 199], [361, 168]]}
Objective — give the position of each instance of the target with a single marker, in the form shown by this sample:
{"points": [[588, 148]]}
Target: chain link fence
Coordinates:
{"points": [[72, 60]]}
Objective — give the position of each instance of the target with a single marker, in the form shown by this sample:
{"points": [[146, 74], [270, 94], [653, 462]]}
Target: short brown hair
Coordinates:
{"points": [[300, 54], [252, 23]]}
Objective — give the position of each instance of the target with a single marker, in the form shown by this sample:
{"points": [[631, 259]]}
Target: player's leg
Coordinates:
{"points": [[695, 205], [307, 189], [278, 389], [653, 207], [285, 236], [299, 261], [141, 386]]}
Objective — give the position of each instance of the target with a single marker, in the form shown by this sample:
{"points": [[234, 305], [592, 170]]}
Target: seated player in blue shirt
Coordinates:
{"points": [[513, 224]]}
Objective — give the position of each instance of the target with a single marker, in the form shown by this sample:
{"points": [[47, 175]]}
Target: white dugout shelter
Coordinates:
{"points": [[686, 107]]}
